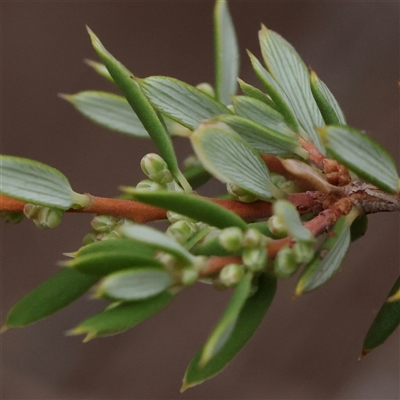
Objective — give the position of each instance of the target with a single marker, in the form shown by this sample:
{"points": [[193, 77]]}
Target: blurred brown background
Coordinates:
{"points": [[305, 349]]}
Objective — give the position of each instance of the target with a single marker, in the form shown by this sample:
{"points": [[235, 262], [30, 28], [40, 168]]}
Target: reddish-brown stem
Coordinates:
{"points": [[315, 156]]}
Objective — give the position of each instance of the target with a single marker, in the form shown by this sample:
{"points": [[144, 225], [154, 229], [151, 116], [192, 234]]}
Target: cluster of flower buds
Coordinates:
{"points": [[43, 217], [104, 228], [286, 221], [240, 193], [252, 245], [283, 183]]}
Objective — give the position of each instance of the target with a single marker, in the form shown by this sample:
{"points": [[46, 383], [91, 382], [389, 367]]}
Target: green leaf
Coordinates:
{"points": [[358, 228], [327, 104], [288, 69], [52, 295], [226, 53], [251, 315], [327, 258], [262, 138], [261, 113], [134, 284], [276, 93], [361, 154], [192, 206], [156, 239], [34, 182], [122, 317], [141, 106], [100, 68], [181, 102], [103, 263], [230, 159], [226, 324], [108, 110], [385, 323], [253, 92]]}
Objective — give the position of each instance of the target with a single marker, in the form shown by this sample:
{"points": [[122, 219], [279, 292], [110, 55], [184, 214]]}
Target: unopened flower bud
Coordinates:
{"points": [[103, 223], [303, 252], [113, 235], [285, 263], [255, 259], [156, 168], [89, 238], [252, 238], [31, 211], [181, 230], [231, 274], [277, 226], [149, 185], [189, 276], [206, 88], [231, 239], [48, 218], [235, 190]]}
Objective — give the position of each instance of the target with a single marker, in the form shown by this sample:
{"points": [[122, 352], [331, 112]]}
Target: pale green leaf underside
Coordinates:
{"points": [[34, 182], [249, 319], [100, 68], [286, 66], [231, 159], [259, 112], [181, 102], [368, 159], [135, 284], [226, 53], [261, 138], [327, 259], [108, 110], [255, 93], [156, 239]]}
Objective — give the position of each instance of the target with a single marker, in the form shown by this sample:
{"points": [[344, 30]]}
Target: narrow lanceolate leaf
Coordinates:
{"points": [[52, 295], [385, 323], [100, 68], [327, 104], [359, 227], [108, 110], [251, 315], [34, 182], [368, 159], [104, 263], [276, 93], [134, 284], [156, 239], [181, 102], [227, 323], [231, 159], [192, 206], [122, 317], [261, 113], [327, 258], [141, 106], [255, 93], [262, 138], [226, 53], [288, 69]]}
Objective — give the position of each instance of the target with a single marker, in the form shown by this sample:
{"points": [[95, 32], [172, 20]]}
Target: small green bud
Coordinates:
{"points": [[231, 239], [113, 235], [285, 263], [255, 259], [206, 88], [156, 168], [189, 276], [277, 226], [31, 211], [303, 252], [149, 185], [253, 238], [231, 274], [104, 223], [277, 179], [199, 262], [241, 194], [191, 161], [89, 238], [48, 218], [175, 217], [181, 230]]}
